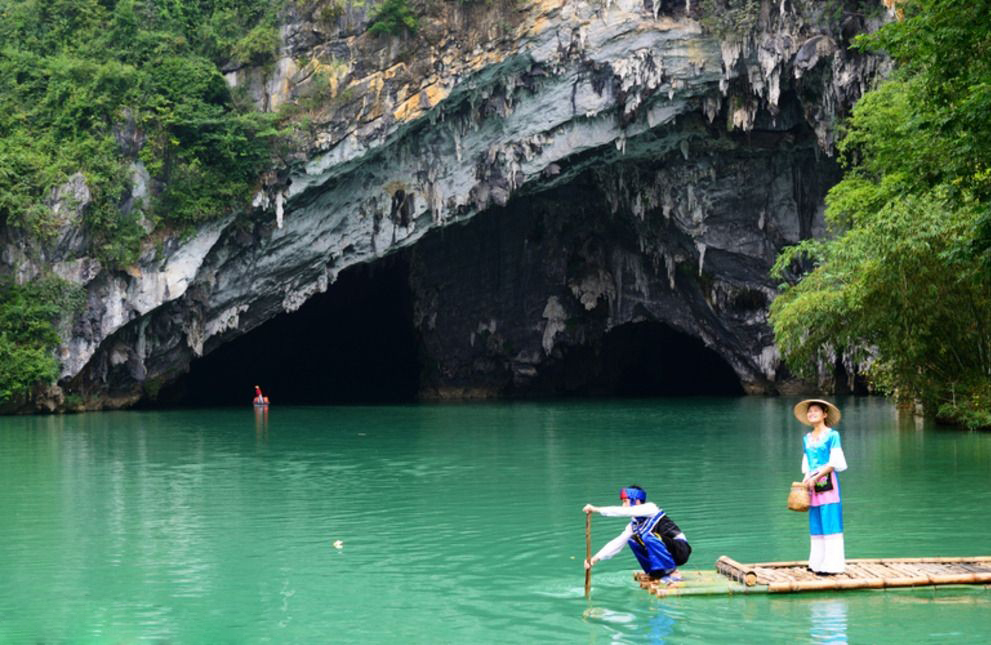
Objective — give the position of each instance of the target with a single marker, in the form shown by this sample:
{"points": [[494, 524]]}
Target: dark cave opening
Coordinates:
{"points": [[844, 384], [642, 360], [355, 343]]}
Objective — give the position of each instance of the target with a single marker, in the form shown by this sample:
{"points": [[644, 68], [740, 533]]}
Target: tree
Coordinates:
{"points": [[905, 281], [77, 75], [28, 336]]}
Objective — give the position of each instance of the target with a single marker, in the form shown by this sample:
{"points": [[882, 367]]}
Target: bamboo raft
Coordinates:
{"points": [[789, 577]]}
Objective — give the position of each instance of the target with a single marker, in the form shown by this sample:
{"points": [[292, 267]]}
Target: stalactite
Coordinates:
{"points": [[645, 117]]}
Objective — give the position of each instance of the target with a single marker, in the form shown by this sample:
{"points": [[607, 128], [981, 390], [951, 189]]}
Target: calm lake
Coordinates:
{"points": [[462, 523]]}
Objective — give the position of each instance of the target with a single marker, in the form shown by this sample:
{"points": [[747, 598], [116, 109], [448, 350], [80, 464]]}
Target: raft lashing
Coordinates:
{"points": [[732, 577]]}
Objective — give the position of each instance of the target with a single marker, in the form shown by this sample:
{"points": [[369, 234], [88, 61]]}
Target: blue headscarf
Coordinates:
{"points": [[633, 494]]}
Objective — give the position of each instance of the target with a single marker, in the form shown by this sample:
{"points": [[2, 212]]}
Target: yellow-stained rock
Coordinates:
{"points": [[434, 94], [395, 70], [373, 83], [408, 109], [402, 93], [423, 100]]}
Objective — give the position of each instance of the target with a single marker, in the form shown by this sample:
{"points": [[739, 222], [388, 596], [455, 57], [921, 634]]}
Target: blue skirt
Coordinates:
{"points": [[826, 519]]}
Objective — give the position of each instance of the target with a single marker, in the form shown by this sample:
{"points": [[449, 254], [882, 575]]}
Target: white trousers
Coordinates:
{"points": [[826, 553]]}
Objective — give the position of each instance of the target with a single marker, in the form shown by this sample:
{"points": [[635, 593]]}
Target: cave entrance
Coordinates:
{"points": [[646, 359], [355, 343]]}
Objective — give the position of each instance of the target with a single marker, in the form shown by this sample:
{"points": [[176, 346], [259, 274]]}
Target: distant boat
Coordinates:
{"points": [[260, 400]]}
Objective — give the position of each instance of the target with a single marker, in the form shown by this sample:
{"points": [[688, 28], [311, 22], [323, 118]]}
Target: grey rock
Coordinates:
{"points": [[668, 166], [67, 204]]}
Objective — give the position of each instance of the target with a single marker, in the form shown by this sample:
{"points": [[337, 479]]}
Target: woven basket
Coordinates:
{"points": [[798, 498]]}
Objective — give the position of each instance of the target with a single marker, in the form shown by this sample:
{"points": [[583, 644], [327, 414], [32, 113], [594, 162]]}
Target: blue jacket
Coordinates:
{"points": [[647, 546]]}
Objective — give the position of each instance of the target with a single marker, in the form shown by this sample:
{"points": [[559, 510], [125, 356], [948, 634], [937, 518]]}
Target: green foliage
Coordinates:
{"points": [[74, 72], [899, 288], [393, 17], [29, 315], [971, 409], [258, 46], [905, 281], [315, 95], [944, 45]]}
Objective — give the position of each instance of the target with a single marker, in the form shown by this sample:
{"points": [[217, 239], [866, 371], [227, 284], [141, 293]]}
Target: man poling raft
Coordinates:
{"points": [[658, 544]]}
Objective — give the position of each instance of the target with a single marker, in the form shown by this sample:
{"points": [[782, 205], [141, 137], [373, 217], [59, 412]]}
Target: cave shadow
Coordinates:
{"points": [[645, 359], [356, 344], [353, 344]]}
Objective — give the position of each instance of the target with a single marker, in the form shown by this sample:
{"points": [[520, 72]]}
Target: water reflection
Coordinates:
{"points": [[661, 626], [261, 423], [658, 628], [200, 526], [828, 621]]}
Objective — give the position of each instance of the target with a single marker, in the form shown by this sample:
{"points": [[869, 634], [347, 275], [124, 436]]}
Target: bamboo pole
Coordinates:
{"points": [[861, 572], [907, 571], [874, 569], [771, 574], [934, 560], [961, 578], [730, 567], [979, 558], [877, 583], [791, 563], [588, 554], [972, 568]]}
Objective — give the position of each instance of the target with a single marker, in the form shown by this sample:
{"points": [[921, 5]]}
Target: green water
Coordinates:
{"points": [[461, 523]]}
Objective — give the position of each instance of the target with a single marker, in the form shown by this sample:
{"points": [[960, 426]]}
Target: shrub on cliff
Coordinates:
{"points": [[89, 85], [28, 318], [94, 86], [906, 277], [393, 17]]}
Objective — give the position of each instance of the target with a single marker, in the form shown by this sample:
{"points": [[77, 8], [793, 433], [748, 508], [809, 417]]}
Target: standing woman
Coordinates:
{"points": [[822, 460]]}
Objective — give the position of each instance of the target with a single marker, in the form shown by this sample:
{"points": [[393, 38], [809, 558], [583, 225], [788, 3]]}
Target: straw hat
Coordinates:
{"points": [[832, 412]]}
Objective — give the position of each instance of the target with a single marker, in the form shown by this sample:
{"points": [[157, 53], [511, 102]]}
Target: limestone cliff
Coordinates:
{"points": [[612, 162]]}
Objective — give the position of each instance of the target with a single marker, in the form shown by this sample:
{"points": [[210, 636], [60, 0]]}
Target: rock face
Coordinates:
{"points": [[610, 162], [685, 239]]}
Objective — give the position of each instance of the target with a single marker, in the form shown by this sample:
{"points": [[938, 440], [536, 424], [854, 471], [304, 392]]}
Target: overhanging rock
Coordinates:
{"points": [[696, 159]]}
